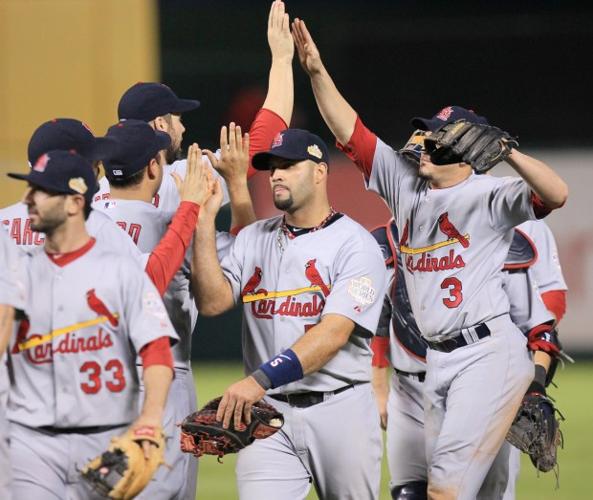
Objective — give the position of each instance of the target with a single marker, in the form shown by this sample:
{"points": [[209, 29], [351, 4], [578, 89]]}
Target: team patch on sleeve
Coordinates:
{"points": [[362, 291]]}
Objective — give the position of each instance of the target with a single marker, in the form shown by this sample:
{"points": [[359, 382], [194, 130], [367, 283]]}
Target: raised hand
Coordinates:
{"points": [[279, 38], [197, 185], [234, 154], [307, 50]]}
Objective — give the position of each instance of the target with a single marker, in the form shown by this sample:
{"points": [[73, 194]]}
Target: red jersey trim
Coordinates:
{"points": [[157, 352], [539, 206], [361, 148], [380, 346], [264, 128], [555, 302], [529, 263], [62, 259]]}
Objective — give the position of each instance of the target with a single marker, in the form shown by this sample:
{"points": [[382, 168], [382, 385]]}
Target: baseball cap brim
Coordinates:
{"points": [[184, 105], [261, 161], [39, 181]]}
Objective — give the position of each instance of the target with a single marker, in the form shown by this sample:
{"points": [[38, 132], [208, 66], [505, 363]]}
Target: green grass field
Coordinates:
{"points": [[573, 397]]}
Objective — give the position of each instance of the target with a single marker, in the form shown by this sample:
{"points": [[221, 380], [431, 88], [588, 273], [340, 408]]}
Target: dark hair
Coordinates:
{"points": [[87, 209]]}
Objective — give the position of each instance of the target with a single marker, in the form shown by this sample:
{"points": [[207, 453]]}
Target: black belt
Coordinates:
{"points": [[420, 376], [306, 399], [466, 336], [94, 429]]}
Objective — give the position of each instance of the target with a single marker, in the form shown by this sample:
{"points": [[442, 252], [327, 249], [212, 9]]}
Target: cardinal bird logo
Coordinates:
{"points": [[447, 227], [314, 277], [404, 239], [99, 307], [253, 282]]}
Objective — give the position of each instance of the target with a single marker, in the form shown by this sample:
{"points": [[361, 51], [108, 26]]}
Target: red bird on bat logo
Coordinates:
{"points": [[447, 227], [97, 305], [253, 282], [314, 277]]}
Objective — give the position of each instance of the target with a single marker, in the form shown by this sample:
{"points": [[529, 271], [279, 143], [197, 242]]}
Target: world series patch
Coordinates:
{"points": [[362, 291]]}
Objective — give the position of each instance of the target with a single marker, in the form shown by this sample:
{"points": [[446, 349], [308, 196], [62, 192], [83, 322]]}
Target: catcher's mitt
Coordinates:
{"points": [[202, 434], [122, 471], [481, 146], [536, 431]]}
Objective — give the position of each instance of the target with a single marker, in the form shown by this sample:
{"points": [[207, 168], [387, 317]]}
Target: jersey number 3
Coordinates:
{"points": [[453, 286], [117, 382]]}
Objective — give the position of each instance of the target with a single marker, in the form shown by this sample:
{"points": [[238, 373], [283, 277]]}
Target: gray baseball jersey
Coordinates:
{"points": [[454, 241], [167, 197], [89, 314], [287, 284], [15, 219]]}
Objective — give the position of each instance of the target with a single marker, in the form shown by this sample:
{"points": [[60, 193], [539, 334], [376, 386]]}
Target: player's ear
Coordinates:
{"points": [[74, 204], [160, 123], [153, 168], [320, 172]]}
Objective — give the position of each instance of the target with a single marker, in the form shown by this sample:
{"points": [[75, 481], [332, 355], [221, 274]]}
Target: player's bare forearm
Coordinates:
{"points": [[157, 380], [6, 320], [339, 116], [380, 383], [546, 183], [322, 342], [242, 213], [543, 359], [280, 96], [212, 291]]}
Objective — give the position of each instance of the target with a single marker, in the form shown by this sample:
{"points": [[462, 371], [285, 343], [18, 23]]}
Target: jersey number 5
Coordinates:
{"points": [[453, 285], [93, 371]]}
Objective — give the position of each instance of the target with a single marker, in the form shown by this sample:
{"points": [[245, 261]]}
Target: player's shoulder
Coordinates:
{"points": [[14, 211], [264, 226], [353, 235], [115, 258]]}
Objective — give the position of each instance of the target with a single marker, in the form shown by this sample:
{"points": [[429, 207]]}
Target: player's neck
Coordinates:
{"points": [[309, 216], [68, 237], [140, 192]]}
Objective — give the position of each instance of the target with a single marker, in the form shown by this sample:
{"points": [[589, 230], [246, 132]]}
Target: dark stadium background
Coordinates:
{"points": [[527, 66]]}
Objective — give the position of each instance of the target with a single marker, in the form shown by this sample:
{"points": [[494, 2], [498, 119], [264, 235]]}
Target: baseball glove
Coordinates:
{"points": [[481, 146], [536, 431], [202, 434], [122, 471]]}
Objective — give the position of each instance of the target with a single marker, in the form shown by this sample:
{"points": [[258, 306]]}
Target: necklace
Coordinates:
{"points": [[291, 235]]}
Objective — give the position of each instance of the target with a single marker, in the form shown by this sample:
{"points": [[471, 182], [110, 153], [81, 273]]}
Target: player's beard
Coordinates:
{"points": [[284, 204], [50, 221], [173, 153]]}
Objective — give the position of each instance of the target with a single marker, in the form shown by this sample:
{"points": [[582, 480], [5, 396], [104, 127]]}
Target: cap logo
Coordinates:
{"points": [[117, 172], [314, 150], [41, 163], [445, 113], [277, 142], [77, 184]]}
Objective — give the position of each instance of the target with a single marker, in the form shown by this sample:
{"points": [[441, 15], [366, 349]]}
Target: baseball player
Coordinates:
{"points": [[70, 134], [134, 181], [453, 253], [89, 312], [311, 283], [11, 298], [399, 343]]}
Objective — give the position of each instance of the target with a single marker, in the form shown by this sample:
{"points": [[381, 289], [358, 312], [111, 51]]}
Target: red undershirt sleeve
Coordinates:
{"points": [[167, 256], [555, 301], [380, 346], [361, 147], [157, 352], [264, 128]]}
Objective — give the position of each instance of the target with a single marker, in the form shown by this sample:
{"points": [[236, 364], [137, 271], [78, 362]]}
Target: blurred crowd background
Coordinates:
{"points": [[527, 66]]}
